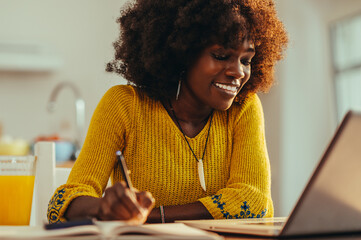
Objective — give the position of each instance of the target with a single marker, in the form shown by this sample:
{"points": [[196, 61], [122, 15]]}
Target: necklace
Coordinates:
{"points": [[199, 161]]}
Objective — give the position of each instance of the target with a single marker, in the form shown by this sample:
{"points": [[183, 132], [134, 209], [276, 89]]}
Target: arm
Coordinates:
{"points": [[97, 159], [83, 207], [118, 203], [248, 190], [189, 211]]}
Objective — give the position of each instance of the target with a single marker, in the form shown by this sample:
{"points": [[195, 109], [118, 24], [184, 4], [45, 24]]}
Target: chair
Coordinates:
{"points": [[47, 178]]}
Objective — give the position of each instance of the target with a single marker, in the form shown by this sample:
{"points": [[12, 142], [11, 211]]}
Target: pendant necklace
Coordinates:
{"points": [[199, 161]]}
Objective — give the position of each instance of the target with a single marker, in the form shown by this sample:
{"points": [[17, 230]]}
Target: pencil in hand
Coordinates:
{"points": [[128, 182], [124, 170]]}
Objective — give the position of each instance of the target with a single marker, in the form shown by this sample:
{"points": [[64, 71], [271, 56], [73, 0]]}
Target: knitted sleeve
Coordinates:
{"points": [[89, 176], [248, 191]]}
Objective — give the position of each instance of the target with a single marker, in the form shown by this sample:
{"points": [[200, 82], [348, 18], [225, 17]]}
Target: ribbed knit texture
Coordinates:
{"points": [[236, 165]]}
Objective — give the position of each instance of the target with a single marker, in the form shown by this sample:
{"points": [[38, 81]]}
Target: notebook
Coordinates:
{"points": [[330, 202], [106, 230]]}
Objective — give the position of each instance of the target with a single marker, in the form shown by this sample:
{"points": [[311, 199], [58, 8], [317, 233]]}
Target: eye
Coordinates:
{"points": [[220, 57]]}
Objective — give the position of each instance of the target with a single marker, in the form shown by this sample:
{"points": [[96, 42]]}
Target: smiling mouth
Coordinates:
{"points": [[230, 88]]}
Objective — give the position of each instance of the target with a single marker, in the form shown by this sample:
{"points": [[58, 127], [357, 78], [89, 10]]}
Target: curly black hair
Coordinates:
{"points": [[160, 39]]}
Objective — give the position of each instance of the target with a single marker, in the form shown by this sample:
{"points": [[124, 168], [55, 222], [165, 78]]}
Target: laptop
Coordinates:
{"points": [[330, 202]]}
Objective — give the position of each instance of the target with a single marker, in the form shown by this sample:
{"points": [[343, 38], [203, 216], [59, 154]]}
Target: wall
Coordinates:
{"points": [[304, 111], [81, 34]]}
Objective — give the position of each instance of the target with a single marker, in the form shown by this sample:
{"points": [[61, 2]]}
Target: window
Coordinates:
{"points": [[346, 51]]}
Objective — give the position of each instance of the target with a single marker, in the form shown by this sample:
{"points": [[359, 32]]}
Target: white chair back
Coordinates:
{"points": [[47, 178]]}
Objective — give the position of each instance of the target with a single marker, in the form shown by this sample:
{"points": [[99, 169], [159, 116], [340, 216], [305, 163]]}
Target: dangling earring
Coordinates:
{"points": [[181, 76], [178, 89]]}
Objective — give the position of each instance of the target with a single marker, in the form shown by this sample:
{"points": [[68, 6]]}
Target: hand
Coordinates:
{"points": [[120, 203]]}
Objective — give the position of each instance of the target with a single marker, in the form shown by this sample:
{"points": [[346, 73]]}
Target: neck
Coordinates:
{"points": [[190, 113], [190, 129], [189, 109]]}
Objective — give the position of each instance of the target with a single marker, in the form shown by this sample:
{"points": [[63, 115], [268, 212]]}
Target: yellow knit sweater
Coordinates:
{"points": [[236, 165]]}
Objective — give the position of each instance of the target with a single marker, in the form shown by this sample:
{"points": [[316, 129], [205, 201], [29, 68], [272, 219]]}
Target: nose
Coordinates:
{"points": [[235, 70]]}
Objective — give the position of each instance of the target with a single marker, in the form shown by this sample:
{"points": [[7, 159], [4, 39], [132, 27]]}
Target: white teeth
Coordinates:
{"points": [[226, 87]]}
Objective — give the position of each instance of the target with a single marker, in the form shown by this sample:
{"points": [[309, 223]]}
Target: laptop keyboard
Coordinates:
{"points": [[266, 223], [258, 221]]}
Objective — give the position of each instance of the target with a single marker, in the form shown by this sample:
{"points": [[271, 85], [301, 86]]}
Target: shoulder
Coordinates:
{"points": [[250, 109], [250, 103], [127, 92], [122, 95], [128, 98], [117, 99], [120, 92]]}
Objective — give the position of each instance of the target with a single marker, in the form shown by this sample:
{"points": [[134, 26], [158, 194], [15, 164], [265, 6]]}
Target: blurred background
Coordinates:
{"points": [[53, 55]]}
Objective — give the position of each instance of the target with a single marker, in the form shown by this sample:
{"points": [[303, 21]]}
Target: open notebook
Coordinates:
{"points": [[330, 202], [106, 230]]}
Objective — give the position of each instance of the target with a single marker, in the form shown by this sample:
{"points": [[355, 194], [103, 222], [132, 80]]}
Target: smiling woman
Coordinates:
{"points": [[189, 124], [224, 71]]}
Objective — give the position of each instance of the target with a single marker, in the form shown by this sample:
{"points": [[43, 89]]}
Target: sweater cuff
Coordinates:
{"points": [[223, 206], [61, 199]]}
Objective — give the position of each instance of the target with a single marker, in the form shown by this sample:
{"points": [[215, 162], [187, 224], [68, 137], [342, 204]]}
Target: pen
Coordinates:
{"points": [[124, 170], [125, 173]]}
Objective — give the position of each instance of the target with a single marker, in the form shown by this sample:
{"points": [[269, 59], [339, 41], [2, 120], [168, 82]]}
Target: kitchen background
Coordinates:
{"points": [[44, 43]]}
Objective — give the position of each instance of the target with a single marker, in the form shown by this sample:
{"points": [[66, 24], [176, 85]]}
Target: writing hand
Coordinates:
{"points": [[120, 203]]}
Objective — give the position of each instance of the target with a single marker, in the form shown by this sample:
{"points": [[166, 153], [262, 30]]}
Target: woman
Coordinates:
{"points": [[189, 123]]}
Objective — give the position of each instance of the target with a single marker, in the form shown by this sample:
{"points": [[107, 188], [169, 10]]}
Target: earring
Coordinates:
{"points": [[178, 89], [181, 76]]}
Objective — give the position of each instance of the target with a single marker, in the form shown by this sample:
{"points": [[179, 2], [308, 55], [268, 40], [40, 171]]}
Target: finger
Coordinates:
{"points": [[129, 202], [120, 187], [121, 212], [128, 199], [145, 199], [112, 208], [115, 200], [105, 211]]}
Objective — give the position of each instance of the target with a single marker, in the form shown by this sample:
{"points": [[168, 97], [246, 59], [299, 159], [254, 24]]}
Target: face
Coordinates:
{"points": [[219, 74]]}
